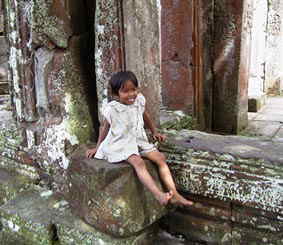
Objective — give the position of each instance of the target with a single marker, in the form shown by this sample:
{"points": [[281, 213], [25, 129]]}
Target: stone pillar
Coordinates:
{"points": [[231, 49], [109, 45], [142, 48], [202, 62], [177, 22]]}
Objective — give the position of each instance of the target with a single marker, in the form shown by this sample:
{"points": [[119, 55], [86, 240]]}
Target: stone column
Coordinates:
{"points": [[109, 45], [177, 24], [142, 48], [231, 52]]}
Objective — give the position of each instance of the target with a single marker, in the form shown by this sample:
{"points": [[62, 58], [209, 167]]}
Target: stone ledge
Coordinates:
{"points": [[236, 184], [229, 168]]}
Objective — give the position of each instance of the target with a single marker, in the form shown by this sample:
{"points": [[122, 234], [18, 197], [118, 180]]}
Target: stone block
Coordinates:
{"points": [[110, 197], [28, 218], [41, 217], [11, 184], [73, 231]]}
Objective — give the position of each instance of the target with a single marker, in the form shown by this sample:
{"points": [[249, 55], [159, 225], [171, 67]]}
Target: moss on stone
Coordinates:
{"points": [[185, 122], [11, 184], [48, 28]]}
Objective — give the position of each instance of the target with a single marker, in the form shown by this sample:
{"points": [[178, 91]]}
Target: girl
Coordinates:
{"points": [[122, 137]]}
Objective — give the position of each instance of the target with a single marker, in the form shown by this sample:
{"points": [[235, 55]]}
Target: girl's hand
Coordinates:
{"points": [[91, 152], [159, 137]]}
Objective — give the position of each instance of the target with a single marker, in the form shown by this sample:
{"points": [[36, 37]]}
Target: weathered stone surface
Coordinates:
{"points": [[51, 23], [215, 222], [109, 45], [245, 236], [242, 179], [12, 157], [28, 218], [198, 228], [230, 68], [73, 231], [177, 54], [48, 79], [142, 49], [110, 197], [11, 184], [203, 60], [39, 216]]}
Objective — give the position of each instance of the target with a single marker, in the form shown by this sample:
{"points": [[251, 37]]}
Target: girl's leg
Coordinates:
{"points": [[166, 176], [139, 165]]}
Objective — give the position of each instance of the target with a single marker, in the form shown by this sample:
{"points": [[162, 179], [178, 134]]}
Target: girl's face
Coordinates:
{"points": [[128, 93]]}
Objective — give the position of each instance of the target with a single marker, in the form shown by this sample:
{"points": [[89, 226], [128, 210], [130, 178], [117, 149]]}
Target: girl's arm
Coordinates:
{"points": [[150, 124], [103, 131]]}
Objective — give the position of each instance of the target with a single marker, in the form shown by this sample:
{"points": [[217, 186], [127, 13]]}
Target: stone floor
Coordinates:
{"points": [[268, 122]]}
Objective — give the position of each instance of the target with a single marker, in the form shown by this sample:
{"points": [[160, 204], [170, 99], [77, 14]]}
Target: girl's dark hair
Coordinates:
{"points": [[119, 78]]}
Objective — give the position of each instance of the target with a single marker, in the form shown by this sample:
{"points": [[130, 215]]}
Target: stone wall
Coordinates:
{"points": [[48, 47]]}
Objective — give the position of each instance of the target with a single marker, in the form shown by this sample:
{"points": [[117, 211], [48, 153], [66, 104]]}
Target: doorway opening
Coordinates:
{"points": [[265, 88]]}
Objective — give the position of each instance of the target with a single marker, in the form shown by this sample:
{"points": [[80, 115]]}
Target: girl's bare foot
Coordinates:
{"points": [[164, 197], [179, 200]]}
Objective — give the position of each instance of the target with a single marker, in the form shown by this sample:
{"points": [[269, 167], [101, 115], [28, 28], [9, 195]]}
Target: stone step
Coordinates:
{"points": [[38, 217]]}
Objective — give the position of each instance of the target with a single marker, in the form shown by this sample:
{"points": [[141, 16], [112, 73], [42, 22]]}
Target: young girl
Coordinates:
{"points": [[122, 137]]}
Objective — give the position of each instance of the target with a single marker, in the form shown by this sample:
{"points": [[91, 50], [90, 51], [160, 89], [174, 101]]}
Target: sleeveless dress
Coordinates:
{"points": [[126, 135]]}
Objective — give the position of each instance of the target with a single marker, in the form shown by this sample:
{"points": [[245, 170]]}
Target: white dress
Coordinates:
{"points": [[126, 135]]}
